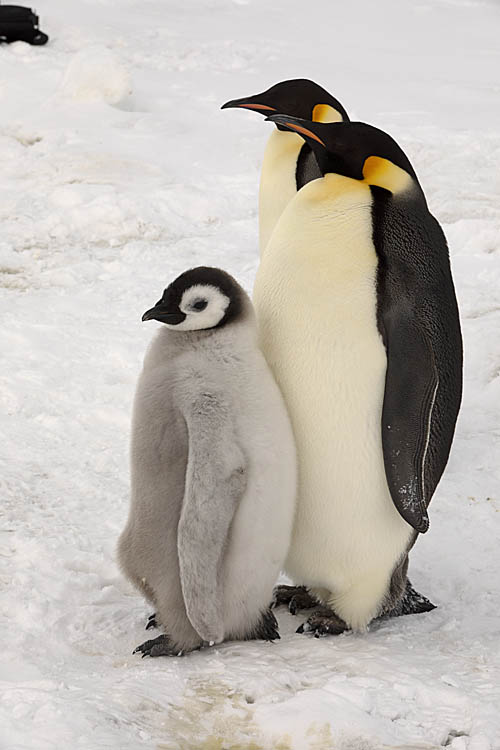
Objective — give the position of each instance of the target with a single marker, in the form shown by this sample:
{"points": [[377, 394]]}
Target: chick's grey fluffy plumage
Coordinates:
{"points": [[213, 484]]}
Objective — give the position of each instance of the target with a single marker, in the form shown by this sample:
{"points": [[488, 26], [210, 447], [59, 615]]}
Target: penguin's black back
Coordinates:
{"points": [[307, 167]]}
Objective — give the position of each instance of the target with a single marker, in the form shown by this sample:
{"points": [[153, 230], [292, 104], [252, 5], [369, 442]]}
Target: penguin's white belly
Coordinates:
{"points": [[315, 297], [347, 530]]}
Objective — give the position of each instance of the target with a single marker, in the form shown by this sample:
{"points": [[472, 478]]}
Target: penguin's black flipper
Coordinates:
{"points": [[410, 393], [418, 319]]}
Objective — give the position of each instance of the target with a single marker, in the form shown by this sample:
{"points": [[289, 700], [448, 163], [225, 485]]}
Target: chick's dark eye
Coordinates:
{"points": [[199, 305]]}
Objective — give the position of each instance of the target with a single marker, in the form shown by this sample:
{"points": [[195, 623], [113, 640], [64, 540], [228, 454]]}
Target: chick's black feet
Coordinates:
{"points": [[323, 622], [161, 646], [266, 629], [293, 597], [151, 623]]}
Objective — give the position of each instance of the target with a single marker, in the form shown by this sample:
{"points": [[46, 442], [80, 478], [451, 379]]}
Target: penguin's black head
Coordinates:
{"points": [[298, 97], [199, 299], [355, 149]]}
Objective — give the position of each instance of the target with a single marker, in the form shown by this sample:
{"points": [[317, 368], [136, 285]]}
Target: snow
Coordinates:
{"points": [[119, 171], [97, 74]]}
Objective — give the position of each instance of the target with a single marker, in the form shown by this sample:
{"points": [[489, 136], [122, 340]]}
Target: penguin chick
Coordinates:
{"points": [[213, 470], [288, 162]]}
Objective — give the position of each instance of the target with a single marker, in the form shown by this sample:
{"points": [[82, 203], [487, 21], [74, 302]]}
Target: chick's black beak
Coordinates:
{"points": [[249, 103], [164, 315]]}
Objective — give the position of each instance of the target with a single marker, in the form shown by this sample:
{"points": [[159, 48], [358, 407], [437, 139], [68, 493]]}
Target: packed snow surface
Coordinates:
{"points": [[118, 171]]}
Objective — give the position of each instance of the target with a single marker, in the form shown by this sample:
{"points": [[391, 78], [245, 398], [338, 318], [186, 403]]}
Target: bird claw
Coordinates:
{"points": [[293, 597], [321, 623], [160, 646], [151, 623]]}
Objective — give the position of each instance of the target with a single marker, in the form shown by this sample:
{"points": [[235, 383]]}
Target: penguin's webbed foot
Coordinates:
{"points": [[161, 646], [151, 623], [323, 622], [266, 629], [293, 597]]}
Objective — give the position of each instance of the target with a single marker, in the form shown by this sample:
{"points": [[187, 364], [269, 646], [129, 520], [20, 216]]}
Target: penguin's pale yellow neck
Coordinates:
{"points": [[277, 180], [277, 183]]}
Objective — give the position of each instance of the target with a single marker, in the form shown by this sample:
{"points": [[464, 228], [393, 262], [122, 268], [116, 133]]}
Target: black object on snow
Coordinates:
{"points": [[18, 24]]}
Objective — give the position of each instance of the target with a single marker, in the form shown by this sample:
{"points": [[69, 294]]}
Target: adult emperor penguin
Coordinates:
{"points": [[288, 160], [213, 470], [359, 323]]}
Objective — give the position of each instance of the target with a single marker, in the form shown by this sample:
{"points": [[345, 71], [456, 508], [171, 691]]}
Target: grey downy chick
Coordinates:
{"points": [[213, 470]]}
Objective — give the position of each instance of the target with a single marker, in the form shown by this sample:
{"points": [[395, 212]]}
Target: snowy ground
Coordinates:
{"points": [[117, 171]]}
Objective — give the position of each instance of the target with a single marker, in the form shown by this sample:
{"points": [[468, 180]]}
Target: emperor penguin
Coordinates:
{"points": [[358, 321], [288, 160], [213, 470]]}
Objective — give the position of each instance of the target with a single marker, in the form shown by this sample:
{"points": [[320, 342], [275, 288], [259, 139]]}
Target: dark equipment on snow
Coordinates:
{"points": [[18, 24]]}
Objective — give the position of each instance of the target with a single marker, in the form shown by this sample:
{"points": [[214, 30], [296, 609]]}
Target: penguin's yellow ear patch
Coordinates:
{"points": [[325, 113], [385, 174]]}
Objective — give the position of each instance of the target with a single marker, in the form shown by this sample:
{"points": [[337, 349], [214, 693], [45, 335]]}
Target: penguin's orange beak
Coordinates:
{"points": [[294, 124], [303, 131], [248, 104]]}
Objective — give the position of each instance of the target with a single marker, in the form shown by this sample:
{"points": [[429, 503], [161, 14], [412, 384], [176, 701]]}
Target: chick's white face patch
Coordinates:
{"points": [[204, 306]]}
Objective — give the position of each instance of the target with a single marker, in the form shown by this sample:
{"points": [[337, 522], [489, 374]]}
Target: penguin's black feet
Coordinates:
{"points": [[323, 622], [161, 646], [266, 629], [294, 597], [151, 623], [411, 603]]}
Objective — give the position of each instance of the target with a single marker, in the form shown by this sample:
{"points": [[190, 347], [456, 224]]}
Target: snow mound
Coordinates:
{"points": [[97, 74]]}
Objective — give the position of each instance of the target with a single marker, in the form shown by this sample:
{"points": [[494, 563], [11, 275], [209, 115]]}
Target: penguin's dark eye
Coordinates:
{"points": [[199, 305]]}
